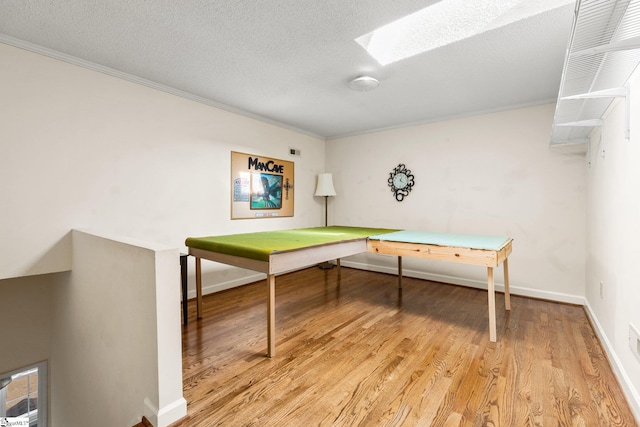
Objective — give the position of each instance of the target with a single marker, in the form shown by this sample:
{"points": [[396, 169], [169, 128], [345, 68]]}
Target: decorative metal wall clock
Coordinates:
{"points": [[401, 181]]}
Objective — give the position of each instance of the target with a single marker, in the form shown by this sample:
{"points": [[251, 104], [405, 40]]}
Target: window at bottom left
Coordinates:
{"points": [[23, 396]]}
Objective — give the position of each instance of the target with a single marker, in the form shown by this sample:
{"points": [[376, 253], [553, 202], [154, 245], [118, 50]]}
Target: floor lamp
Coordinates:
{"points": [[325, 189]]}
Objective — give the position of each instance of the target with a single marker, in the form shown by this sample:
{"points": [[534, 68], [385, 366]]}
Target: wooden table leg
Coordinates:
{"points": [[199, 287], [492, 305], [507, 292], [399, 272], [271, 315], [338, 264]]}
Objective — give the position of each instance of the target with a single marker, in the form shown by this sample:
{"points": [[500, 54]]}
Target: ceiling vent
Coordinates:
{"points": [[603, 52]]}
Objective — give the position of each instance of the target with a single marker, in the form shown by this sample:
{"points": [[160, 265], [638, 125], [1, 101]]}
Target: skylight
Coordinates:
{"points": [[446, 22]]}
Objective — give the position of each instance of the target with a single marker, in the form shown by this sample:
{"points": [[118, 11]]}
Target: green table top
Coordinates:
{"points": [[260, 245], [445, 239]]}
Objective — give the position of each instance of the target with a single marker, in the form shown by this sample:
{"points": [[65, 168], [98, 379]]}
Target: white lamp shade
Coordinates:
{"points": [[325, 185]]}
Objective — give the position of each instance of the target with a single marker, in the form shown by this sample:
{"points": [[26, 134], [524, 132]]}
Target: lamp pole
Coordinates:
{"points": [[325, 189], [326, 201]]}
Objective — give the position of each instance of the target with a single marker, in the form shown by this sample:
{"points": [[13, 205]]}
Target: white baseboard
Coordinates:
{"points": [[515, 290], [172, 412], [479, 284], [167, 415], [150, 412], [210, 289], [633, 398]]}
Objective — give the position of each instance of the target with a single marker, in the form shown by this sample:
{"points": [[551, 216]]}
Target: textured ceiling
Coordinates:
{"points": [[289, 61]]}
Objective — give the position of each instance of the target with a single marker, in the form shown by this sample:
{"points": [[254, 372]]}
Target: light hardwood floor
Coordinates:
{"points": [[356, 351]]}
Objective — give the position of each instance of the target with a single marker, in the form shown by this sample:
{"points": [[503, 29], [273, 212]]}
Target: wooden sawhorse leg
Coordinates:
{"points": [[199, 287], [507, 293], [271, 315], [492, 304], [492, 298]]}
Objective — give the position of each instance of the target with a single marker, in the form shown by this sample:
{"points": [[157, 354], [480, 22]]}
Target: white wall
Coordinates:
{"points": [[116, 351], [613, 254], [489, 174], [82, 149]]}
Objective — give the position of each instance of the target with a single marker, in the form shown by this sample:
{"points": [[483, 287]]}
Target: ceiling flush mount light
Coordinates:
{"points": [[364, 83], [446, 22]]}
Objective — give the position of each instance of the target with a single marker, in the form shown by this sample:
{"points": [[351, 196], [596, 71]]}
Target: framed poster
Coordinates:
{"points": [[261, 187]]}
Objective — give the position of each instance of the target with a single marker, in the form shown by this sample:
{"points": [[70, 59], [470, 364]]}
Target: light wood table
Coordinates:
{"points": [[488, 251]]}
